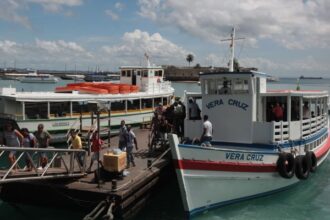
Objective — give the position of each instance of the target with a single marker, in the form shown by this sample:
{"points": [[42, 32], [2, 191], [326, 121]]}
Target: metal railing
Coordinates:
{"points": [[281, 131], [71, 166]]}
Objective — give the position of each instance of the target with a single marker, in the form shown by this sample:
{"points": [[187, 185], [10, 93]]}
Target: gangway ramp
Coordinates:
{"points": [[62, 163]]}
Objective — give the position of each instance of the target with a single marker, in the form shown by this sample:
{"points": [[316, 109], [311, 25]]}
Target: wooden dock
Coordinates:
{"points": [[128, 193]]}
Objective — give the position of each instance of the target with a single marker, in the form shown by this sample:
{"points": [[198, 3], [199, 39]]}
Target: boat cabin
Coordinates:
{"points": [[242, 110], [147, 78], [49, 105]]}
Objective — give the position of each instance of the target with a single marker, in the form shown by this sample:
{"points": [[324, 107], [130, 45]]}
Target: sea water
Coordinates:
{"points": [[309, 199]]}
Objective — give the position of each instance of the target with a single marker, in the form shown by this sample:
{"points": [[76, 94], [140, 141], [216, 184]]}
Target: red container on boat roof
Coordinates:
{"points": [[134, 88], [92, 90]]}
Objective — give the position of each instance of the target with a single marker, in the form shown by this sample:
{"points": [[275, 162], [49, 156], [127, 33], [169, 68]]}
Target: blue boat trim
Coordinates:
{"points": [[220, 204], [267, 147]]}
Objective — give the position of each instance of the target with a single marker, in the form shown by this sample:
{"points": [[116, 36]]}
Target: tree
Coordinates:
{"points": [[197, 66], [190, 58]]}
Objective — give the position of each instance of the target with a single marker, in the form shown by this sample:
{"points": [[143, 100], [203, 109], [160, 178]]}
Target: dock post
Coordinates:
{"points": [[80, 120], [98, 155], [113, 185], [109, 124], [149, 162]]}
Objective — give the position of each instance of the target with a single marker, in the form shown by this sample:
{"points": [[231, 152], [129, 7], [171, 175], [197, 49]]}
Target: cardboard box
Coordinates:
{"points": [[114, 163]]}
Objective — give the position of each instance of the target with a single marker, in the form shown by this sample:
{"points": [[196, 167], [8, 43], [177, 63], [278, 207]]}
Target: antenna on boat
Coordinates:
{"points": [[147, 58], [232, 47]]}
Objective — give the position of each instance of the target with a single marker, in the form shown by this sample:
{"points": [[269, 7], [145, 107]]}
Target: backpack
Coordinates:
{"points": [[178, 110]]}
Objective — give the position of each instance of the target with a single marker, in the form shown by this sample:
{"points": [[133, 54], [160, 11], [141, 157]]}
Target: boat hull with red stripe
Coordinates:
{"points": [[215, 176]]}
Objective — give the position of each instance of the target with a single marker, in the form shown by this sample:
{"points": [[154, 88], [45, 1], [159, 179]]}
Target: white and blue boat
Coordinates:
{"points": [[251, 154]]}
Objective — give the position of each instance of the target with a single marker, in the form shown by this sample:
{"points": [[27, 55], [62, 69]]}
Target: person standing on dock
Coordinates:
{"points": [[43, 138], [122, 136], [29, 141], [96, 148], [131, 142], [11, 138], [76, 144]]}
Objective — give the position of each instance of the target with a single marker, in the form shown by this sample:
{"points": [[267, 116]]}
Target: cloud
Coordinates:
{"points": [[135, 44], [45, 54], [8, 47], [293, 67], [59, 46], [113, 15], [13, 10], [10, 11], [294, 24], [53, 54], [56, 5], [119, 6]]}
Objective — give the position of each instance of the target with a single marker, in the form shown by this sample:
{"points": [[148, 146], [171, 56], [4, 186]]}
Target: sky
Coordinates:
{"points": [[282, 38]]}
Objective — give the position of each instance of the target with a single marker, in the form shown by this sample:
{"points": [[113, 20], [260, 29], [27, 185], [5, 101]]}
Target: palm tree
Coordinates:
{"points": [[190, 58]]}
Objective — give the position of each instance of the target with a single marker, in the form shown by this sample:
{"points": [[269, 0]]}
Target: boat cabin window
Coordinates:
{"points": [[145, 73], [295, 108], [123, 73], [194, 108], [158, 73], [226, 86], [133, 104], [128, 73], [36, 110], [146, 103], [240, 86], [158, 101], [138, 72], [118, 106], [276, 108], [165, 101], [59, 109]]}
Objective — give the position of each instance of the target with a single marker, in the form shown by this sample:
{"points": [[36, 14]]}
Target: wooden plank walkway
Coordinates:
{"points": [[131, 193]]}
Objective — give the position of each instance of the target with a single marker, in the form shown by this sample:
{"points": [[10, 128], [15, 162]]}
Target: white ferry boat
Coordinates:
{"points": [[250, 154], [141, 89], [39, 78]]}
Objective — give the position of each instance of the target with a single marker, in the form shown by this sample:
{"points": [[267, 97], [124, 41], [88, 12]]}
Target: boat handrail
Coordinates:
{"points": [[281, 129], [9, 116]]}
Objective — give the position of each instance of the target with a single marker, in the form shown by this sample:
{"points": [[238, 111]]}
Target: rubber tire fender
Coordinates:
{"points": [[312, 160], [286, 165], [302, 167]]}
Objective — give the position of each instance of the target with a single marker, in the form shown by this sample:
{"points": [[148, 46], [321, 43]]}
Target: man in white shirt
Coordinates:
{"points": [[207, 130]]}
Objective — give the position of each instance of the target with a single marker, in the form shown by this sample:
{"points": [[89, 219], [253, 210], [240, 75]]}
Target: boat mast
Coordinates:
{"points": [[147, 58], [232, 47]]}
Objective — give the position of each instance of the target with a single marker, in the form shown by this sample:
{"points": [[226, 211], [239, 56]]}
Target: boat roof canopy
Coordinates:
{"points": [[140, 67], [235, 74]]}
